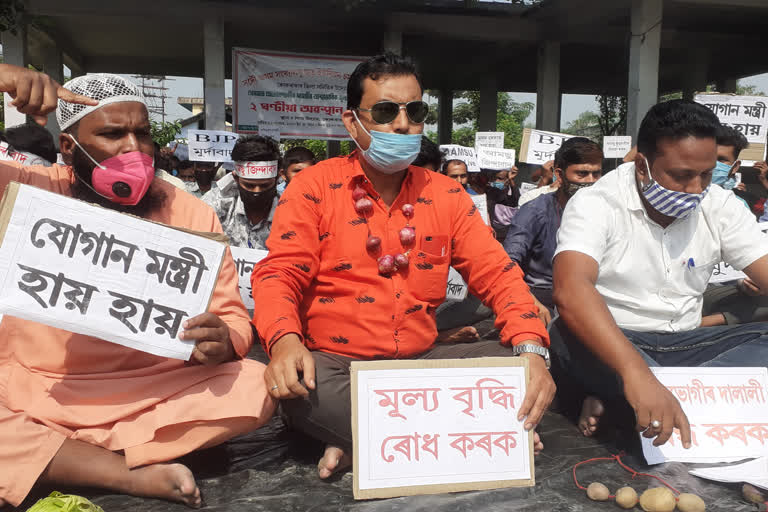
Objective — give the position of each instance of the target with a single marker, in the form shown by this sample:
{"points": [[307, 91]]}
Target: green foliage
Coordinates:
{"points": [[318, 147], [164, 133], [510, 116], [586, 125], [612, 119], [11, 12]]}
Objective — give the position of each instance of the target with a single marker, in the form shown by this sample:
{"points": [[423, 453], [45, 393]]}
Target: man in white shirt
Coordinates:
{"points": [[635, 253]]}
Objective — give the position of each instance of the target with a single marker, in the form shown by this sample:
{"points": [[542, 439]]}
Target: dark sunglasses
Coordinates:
{"points": [[386, 111]]}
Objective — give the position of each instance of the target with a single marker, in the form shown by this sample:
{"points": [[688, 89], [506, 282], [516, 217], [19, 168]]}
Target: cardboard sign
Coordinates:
{"points": [[463, 153], [300, 95], [481, 202], [489, 140], [754, 472], [211, 145], [94, 271], [245, 259], [727, 409], [724, 273], [539, 147], [434, 426], [457, 289], [527, 187], [495, 159], [617, 147], [746, 114]]}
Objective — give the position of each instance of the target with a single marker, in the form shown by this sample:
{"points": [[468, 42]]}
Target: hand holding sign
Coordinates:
{"points": [[211, 336]]}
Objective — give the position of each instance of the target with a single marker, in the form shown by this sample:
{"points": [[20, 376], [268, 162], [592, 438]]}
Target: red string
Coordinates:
{"points": [[617, 458]]}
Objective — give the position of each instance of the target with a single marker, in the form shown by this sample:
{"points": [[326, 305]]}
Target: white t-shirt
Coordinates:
{"points": [[651, 278]]}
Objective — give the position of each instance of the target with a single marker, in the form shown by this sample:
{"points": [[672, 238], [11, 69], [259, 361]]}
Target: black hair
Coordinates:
{"points": [[453, 161], [298, 155], [578, 150], [387, 64], [255, 148], [185, 164], [675, 119], [32, 138], [428, 154], [729, 136]]}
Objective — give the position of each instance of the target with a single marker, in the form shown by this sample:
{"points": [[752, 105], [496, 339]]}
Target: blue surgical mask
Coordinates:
{"points": [[668, 202], [281, 187], [720, 176], [390, 152], [498, 184]]}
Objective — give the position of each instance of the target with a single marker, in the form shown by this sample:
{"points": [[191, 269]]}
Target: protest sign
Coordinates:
{"points": [[434, 426], [457, 289], [481, 202], [301, 95], [539, 146], [754, 472], [527, 187], [726, 408], [245, 259], [9, 154], [463, 153], [723, 272], [747, 114], [211, 145], [489, 140], [495, 159], [617, 147], [93, 271]]}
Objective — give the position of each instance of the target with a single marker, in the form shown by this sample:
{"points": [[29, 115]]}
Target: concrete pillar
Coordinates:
{"points": [[333, 148], [393, 41], [548, 98], [645, 43], [213, 79], [727, 85], [445, 116], [14, 52], [53, 66], [696, 74], [488, 105]]}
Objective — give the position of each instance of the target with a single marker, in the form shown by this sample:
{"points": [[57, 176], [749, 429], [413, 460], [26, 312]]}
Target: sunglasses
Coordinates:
{"points": [[384, 112]]}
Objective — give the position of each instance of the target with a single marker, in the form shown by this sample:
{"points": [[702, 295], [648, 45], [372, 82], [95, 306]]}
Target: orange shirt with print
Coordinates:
{"points": [[321, 283]]}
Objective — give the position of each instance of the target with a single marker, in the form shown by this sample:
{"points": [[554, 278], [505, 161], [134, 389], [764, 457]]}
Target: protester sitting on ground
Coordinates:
{"points": [[430, 156], [547, 184], [532, 236], [634, 254], [358, 262], [457, 171], [76, 411], [245, 200], [503, 197], [294, 161], [34, 141]]}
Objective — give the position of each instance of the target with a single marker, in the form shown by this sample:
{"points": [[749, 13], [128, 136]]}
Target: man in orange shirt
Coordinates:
{"points": [[79, 411], [359, 255]]}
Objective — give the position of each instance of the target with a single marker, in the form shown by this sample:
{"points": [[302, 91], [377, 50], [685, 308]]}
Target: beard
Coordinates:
{"points": [[83, 167]]}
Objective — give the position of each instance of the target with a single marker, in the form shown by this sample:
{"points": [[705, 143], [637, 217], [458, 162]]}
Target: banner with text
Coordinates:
{"points": [[746, 114], [617, 146], [211, 145], [495, 159], [93, 271], [539, 147], [245, 259], [463, 153], [299, 95], [489, 140]]}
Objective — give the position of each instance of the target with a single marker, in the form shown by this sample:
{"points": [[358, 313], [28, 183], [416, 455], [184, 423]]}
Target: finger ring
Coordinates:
{"points": [[656, 424], [273, 388]]}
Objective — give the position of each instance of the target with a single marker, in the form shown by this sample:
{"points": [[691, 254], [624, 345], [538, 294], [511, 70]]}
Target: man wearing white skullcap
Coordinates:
{"points": [[245, 200], [79, 411]]}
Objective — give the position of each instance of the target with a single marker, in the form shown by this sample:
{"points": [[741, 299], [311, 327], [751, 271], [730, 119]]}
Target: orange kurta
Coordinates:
{"points": [[55, 384], [320, 282]]}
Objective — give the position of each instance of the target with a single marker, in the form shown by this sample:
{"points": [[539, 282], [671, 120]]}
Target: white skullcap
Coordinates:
{"points": [[102, 87]]}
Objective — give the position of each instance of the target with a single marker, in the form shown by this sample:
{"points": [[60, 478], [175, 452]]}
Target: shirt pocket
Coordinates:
{"points": [[696, 278], [429, 276]]}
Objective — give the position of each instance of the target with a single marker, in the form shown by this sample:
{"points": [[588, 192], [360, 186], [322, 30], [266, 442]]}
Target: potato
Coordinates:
{"points": [[752, 494], [598, 492], [687, 502], [626, 497], [658, 499]]}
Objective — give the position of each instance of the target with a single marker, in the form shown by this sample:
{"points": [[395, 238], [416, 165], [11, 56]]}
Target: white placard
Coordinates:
{"points": [[724, 273], [9, 154], [727, 409], [495, 159], [747, 114], [457, 289], [539, 147], [481, 202], [754, 472], [463, 153], [245, 259], [270, 131], [489, 140], [527, 187], [433, 426], [301, 95], [94, 271], [617, 146], [211, 145]]}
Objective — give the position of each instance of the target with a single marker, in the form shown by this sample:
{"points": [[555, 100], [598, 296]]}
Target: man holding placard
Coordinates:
{"points": [[76, 410], [358, 263]]}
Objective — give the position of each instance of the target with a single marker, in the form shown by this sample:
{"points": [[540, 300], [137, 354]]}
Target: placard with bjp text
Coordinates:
{"points": [[434, 426], [538, 146], [727, 409]]}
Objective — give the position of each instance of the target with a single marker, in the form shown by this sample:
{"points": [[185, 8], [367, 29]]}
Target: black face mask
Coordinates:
{"points": [[258, 201]]}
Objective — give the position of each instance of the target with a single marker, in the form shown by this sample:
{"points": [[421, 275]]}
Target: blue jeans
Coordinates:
{"points": [[723, 346]]}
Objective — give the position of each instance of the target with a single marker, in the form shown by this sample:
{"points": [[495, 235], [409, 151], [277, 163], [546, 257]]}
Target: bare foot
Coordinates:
{"points": [[173, 482], [538, 446], [591, 411], [458, 335], [334, 459]]}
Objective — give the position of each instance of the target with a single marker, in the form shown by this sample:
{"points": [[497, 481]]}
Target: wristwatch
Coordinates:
{"points": [[525, 348]]}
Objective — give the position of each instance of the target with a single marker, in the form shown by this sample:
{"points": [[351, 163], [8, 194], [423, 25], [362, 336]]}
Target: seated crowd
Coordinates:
{"points": [[360, 248]]}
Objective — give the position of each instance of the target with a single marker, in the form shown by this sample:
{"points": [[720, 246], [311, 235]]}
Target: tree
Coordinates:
{"points": [[510, 116], [165, 132], [612, 118], [318, 147], [586, 125], [11, 12]]}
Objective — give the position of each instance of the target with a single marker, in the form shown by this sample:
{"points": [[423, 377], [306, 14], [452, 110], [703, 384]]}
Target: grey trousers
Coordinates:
{"points": [[326, 414]]}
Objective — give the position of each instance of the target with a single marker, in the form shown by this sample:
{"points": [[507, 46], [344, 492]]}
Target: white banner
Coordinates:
{"points": [[489, 140], [300, 95], [747, 114], [481, 202], [457, 289], [527, 187], [724, 273], [539, 146], [93, 271], [211, 145], [463, 153], [245, 259], [617, 147], [495, 159]]}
